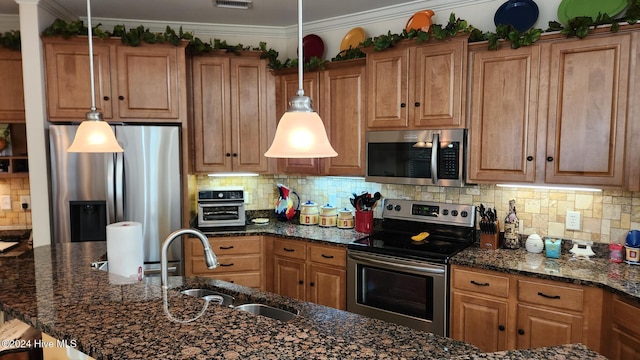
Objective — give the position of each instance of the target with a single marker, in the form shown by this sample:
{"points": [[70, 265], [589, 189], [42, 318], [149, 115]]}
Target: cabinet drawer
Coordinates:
{"points": [[229, 264], [494, 285], [253, 280], [228, 245], [291, 249], [540, 293], [328, 255]]}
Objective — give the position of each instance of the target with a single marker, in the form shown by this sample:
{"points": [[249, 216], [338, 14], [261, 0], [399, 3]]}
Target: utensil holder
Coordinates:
{"points": [[364, 221]]}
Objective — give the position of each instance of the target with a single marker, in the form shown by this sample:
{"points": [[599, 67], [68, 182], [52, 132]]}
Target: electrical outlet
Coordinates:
{"points": [[573, 220], [6, 202], [25, 199]]}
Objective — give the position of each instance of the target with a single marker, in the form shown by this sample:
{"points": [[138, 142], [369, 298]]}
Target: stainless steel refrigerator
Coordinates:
{"points": [[142, 184]]}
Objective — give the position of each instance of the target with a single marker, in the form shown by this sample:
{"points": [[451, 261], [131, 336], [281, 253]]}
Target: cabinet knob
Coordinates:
{"points": [[403, 105], [312, 284], [235, 154], [549, 158], [529, 158], [300, 282], [120, 97], [520, 331], [106, 98], [501, 327], [417, 104], [227, 154]]}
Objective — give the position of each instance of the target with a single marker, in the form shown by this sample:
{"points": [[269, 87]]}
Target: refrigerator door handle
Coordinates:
{"points": [[119, 181], [111, 189]]}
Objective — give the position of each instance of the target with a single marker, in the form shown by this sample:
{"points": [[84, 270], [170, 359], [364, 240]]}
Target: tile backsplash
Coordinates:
{"points": [[606, 216], [16, 217]]}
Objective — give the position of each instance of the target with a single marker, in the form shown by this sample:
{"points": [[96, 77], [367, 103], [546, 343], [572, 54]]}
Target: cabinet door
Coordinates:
{"points": [[587, 107], [387, 89], [479, 321], [327, 286], [343, 99], [12, 90], [439, 75], [148, 82], [502, 124], [289, 278], [68, 79], [249, 114], [539, 327], [288, 88], [624, 345], [211, 111]]}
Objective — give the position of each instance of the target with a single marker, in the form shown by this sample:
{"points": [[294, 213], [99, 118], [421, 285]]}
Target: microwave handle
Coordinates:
{"points": [[435, 147]]}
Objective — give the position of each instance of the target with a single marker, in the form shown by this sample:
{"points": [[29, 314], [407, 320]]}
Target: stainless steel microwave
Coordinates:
{"points": [[416, 157]]}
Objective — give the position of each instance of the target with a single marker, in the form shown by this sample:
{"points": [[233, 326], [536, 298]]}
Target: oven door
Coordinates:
{"points": [[406, 292], [221, 214]]}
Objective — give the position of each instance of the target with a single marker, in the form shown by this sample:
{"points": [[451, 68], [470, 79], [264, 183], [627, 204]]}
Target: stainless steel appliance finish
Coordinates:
{"points": [[219, 208], [394, 278], [420, 157], [142, 184]]}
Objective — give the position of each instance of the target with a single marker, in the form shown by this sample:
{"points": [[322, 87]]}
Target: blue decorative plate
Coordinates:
{"points": [[521, 14]]}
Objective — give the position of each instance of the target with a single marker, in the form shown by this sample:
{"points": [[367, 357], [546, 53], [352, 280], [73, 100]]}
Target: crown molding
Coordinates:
{"points": [[9, 22], [52, 7]]}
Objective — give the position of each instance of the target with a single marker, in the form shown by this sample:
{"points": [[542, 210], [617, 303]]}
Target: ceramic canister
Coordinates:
{"points": [[328, 216], [309, 213], [345, 219]]}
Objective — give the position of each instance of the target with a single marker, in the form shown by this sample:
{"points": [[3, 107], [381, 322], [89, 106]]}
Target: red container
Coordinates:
{"points": [[364, 221]]}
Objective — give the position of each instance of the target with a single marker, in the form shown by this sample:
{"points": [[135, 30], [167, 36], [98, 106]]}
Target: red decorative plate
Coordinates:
{"points": [[312, 45]]}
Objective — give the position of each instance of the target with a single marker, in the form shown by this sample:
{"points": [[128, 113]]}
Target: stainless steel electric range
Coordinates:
{"points": [[394, 277]]}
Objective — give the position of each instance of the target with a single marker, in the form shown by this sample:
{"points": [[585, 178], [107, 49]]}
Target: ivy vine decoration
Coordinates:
{"points": [[11, 40], [350, 53], [513, 35]]}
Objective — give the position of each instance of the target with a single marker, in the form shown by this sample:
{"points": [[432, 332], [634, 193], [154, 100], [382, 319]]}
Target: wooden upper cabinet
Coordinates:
{"points": [[587, 110], [417, 86], [146, 83], [287, 88], [343, 98], [230, 110], [12, 90], [502, 116]]}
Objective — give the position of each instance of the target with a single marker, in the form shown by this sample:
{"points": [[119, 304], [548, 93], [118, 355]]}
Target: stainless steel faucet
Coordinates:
{"points": [[209, 256]]}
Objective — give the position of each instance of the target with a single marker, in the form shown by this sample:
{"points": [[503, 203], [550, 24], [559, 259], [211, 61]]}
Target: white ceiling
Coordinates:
{"points": [[277, 13]]}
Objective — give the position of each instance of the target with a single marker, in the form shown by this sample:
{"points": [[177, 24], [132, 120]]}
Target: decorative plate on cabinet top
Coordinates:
{"points": [[521, 14], [352, 39], [569, 9], [312, 45]]}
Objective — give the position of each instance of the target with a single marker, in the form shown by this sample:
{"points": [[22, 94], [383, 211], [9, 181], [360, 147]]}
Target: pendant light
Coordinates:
{"points": [[300, 132], [94, 135]]}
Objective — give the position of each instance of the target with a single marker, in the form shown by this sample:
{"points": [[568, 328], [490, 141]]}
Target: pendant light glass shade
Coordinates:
{"points": [[300, 132], [94, 135]]}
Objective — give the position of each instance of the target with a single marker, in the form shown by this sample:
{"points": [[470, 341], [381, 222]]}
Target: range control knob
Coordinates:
{"points": [[454, 212], [389, 207], [445, 212], [464, 213], [220, 195], [397, 208]]}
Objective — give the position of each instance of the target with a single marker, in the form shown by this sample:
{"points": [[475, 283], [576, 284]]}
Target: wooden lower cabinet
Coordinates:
{"points": [[623, 335], [497, 311], [310, 272], [240, 260]]}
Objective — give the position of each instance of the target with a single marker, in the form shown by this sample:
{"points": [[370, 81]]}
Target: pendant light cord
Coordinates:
{"points": [[90, 34], [300, 51]]}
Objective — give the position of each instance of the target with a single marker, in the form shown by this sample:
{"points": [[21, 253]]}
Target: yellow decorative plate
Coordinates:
{"points": [[353, 38]]}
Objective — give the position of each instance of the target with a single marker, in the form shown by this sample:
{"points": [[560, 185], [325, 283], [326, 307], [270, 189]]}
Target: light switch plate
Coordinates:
{"points": [[573, 220], [6, 202]]}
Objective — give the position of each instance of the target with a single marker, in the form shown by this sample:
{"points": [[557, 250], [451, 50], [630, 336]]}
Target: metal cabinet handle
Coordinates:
{"points": [[548, 296], [501, 327], [403, 105], [226, 265], [288, 250], [226, 247], [520, 331], [327, 256], [529, 158], [479, 284], [312, 284], [417, 104], [300, 282], [549, 158], [121, 97]]}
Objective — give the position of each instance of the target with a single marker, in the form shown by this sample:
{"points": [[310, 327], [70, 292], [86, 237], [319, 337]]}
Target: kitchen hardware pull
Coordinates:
{"points": [[548, 296], [226, 247], [120, 97], [435, 141], [312, 284], [549, 158], [300, 282], [417, 104], [520, 331], [327, 256], [288, 250], [529, 158], [106, 98], [226, 264], [227, 154], [479, 284], [403, 105], [419, 269], [501, 327]]}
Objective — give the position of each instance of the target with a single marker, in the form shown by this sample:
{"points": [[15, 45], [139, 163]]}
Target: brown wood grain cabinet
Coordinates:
{"points": [[622, 329], [554, 112], [240, 259], [338, 94], [417, 85], [497, 311], [232, 108], [12, 90], [146, 83], [310, 272]]}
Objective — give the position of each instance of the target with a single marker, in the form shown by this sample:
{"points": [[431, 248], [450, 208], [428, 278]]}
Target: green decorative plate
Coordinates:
{"points": [[569, 9]]}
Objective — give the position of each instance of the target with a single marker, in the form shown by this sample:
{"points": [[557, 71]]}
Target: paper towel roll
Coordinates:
{"points": [[125, 251]]}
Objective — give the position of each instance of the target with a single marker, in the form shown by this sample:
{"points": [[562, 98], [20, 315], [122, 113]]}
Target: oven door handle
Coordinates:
{"points": [[426, 269]]}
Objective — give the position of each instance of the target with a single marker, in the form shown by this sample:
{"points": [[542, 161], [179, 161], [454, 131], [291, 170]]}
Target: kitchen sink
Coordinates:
{"points": [[268, 311], [211, 296]]}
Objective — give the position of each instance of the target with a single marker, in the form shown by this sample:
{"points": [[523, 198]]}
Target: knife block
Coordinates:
{"points": [[491, 241]]}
